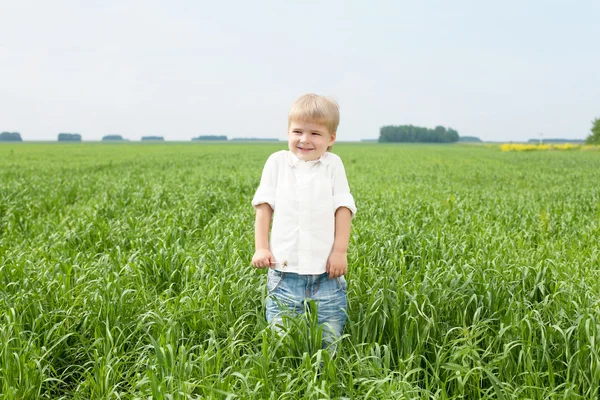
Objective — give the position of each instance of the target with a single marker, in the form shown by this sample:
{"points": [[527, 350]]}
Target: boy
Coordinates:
{"points": [[306, 191]]}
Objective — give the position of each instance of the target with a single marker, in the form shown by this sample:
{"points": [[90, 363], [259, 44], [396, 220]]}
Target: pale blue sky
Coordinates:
{"points": [[498, 70]]}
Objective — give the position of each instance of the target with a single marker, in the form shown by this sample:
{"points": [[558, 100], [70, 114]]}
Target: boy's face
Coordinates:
{"points": [[309, 141]]}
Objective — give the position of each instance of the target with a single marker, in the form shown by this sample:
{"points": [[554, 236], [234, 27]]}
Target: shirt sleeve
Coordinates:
{"points": [[341, 190], [268, 184]]}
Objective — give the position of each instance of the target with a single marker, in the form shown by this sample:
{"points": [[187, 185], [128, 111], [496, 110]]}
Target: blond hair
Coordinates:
{"points": [[316, 109]]}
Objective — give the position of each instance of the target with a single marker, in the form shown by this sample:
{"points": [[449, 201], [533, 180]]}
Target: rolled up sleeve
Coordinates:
{"points": [[341, 190], [268, 185]]}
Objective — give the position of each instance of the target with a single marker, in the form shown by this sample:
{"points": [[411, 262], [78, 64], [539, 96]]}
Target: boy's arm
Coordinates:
{"points": [[264, 203], [337, 265], [262, 225], [262, 255]]}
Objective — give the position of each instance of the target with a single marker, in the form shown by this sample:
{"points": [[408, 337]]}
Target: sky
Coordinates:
{"points": [[501, 71]]}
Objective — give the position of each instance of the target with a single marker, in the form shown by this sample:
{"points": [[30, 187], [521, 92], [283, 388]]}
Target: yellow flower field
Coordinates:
{"points": [[544, 147]]}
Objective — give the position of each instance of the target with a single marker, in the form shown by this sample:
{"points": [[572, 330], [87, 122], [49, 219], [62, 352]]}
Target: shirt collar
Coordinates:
{"points": [[294, 161]]}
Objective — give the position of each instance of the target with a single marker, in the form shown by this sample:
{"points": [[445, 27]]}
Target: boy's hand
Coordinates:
{"points": [[263, 258], [337, 264]]}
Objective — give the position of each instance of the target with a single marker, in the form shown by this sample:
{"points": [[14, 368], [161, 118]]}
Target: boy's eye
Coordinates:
{"points": [[316, 133]]}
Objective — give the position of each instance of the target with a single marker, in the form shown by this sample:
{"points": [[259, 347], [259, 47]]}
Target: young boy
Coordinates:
{"points": [[306, 191]]}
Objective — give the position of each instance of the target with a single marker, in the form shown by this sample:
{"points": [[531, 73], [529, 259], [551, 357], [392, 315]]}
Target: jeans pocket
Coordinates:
{"points": [[274, 279], [341, 282]]}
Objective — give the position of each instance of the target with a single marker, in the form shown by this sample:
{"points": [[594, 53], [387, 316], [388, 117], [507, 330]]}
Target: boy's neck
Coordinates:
{"points": [[297, 160]]}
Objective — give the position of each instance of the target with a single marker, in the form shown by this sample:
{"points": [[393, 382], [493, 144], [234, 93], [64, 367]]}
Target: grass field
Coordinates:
{"points": [[125, 273]]}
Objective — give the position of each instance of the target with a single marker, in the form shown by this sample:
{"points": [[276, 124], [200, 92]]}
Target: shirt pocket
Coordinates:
{"points": [[322, 194]]}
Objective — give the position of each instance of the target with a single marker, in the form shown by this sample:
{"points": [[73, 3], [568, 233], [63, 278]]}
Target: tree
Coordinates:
{"points": [[69, 137], [410, 133], [10, 137], [469, 139], [210, 137], [452, 135], [594, 137], [110, 138]]}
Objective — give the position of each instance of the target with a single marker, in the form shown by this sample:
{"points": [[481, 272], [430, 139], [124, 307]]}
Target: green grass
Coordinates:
{"points": [[125, 273]]}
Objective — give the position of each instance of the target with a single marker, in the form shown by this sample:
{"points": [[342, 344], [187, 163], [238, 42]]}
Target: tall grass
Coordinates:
{"points": [[125, 273]]}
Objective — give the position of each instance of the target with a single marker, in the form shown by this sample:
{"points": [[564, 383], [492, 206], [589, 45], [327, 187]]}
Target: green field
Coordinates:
{"points": [[125, 273]]}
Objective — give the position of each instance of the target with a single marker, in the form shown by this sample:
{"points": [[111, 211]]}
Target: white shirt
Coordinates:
{"points": [[304, 196]]}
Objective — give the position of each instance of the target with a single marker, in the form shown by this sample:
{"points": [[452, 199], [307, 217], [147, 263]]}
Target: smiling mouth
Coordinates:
{"points": [[300, 148]]}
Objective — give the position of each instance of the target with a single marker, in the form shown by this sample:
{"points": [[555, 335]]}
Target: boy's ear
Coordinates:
{"points": [[332, 139]]}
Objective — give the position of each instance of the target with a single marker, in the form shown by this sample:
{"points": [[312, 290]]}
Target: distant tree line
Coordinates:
{"points": [[76, 137], [210, 137], [410, 133], [112, 138], [254, 139], [558, 140], [69, 137], [10, 137], [469, 139]]}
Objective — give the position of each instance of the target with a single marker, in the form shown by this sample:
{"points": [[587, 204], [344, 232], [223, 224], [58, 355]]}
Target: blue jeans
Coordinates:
{"points": [[289, 292]]}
